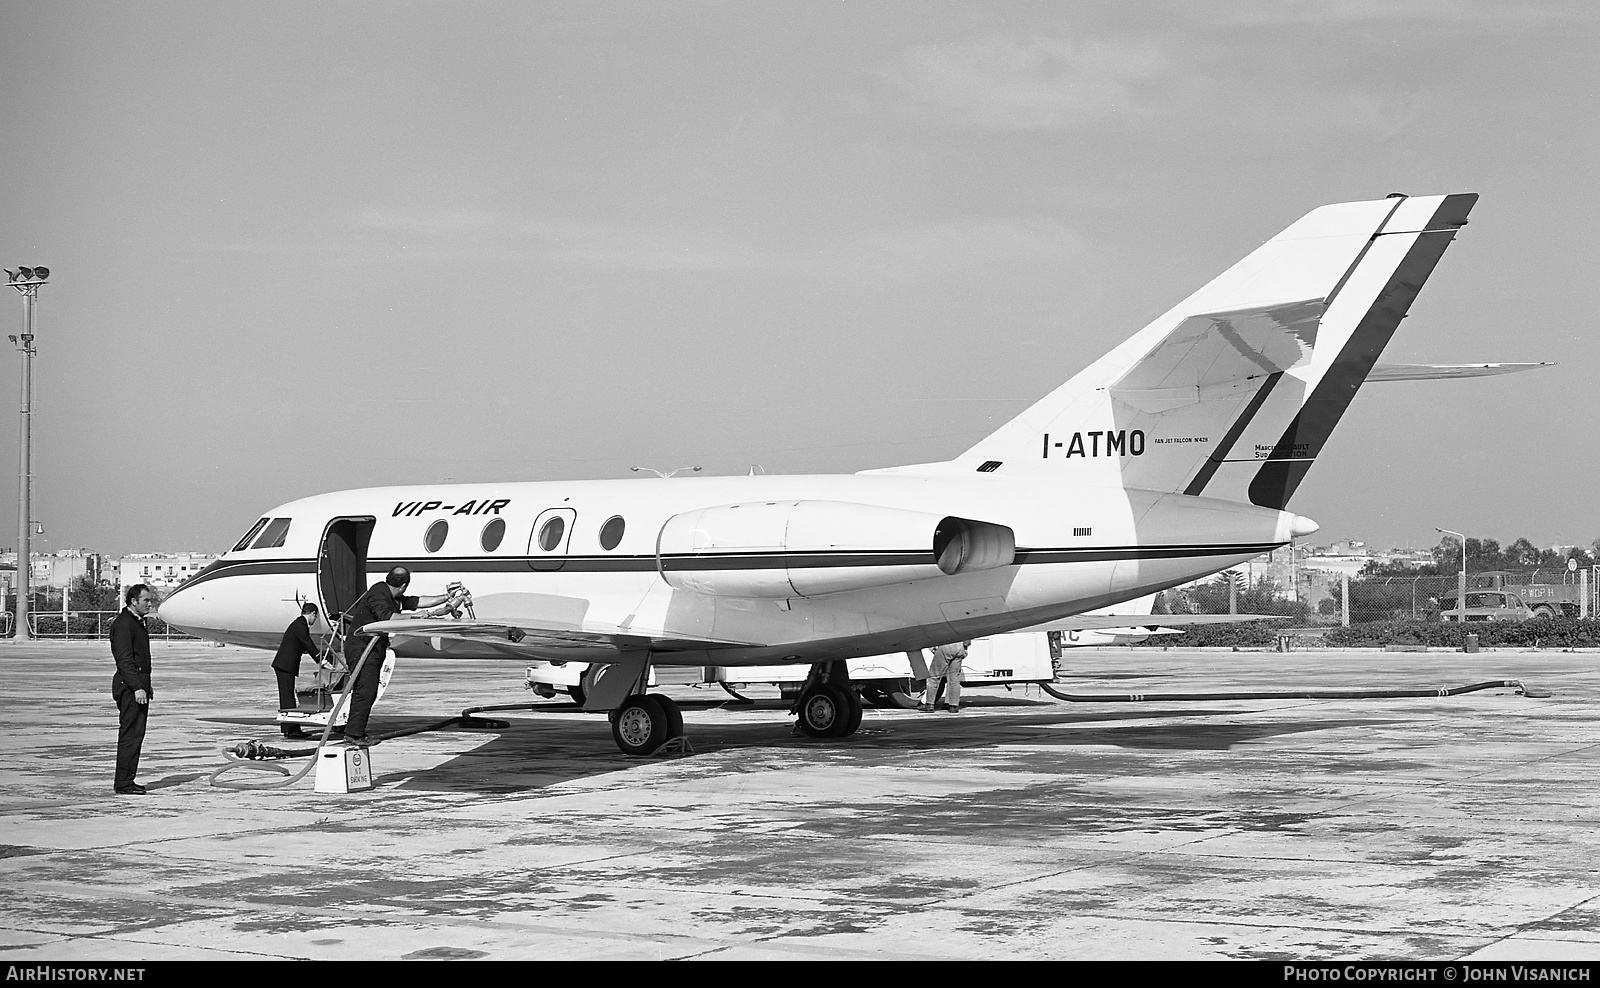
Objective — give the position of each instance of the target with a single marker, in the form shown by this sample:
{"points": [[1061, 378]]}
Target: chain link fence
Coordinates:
{"points": [[1317, 597], [84, 625]]}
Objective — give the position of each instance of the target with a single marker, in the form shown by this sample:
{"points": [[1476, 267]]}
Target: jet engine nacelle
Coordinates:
{"points": [[809, 548]]}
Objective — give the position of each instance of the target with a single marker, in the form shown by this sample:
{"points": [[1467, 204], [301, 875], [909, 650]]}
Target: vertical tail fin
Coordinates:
{"points": [[1233, 392]]}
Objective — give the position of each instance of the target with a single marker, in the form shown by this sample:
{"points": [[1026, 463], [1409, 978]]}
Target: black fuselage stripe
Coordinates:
{"points": [[732, 561], [1281, 475]]}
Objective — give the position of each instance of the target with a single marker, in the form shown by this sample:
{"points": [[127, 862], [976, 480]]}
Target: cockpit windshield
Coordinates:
{"points": [[248, 536], [272, 538]]}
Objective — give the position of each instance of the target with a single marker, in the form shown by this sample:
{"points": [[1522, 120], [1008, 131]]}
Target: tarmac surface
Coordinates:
{"points": [[1023, 827]]}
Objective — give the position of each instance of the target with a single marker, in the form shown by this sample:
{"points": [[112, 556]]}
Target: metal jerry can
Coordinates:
{"points": [[343, 768]]}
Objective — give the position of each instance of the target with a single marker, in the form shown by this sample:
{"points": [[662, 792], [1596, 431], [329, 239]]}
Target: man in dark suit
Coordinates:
{"points": [[383, 600], [297, 641], [130, 685]]}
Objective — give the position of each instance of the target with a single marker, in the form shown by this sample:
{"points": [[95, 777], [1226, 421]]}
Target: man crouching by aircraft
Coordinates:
{"points": [[381, 602]]}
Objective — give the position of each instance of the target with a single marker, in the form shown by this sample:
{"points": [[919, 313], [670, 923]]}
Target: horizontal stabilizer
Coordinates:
{"points": [[1443, 372]]}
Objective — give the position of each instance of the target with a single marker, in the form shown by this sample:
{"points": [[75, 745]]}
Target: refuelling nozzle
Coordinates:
{"points": [[255, 751]]}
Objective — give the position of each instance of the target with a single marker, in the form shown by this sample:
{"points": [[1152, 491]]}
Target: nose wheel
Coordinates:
{"points": [[644, 723]]}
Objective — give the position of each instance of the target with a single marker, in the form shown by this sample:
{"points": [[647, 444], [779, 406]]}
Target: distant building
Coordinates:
{"points": [[161, 570], [57, 569]]}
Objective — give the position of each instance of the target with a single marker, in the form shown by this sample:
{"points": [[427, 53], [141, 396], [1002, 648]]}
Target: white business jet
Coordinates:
{"points": [[1170, 458]]}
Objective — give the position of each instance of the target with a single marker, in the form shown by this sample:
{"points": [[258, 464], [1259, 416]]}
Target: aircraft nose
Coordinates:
{"points": [[180, 610]]}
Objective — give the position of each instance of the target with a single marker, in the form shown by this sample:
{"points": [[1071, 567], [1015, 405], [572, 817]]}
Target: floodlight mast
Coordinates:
{"points": [[1461, 585], [26, 281]]}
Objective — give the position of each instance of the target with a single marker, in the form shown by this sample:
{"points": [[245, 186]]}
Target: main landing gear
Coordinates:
{"points": [[829, 706], [645, 722]]}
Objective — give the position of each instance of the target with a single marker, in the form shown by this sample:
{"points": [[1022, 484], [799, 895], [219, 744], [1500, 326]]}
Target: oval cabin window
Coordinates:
{"points": [[550, 534], [433, 541], [611, 532], [492, 534]]}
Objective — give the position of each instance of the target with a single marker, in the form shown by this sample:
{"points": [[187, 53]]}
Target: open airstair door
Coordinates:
{"points": [[342, 563]]}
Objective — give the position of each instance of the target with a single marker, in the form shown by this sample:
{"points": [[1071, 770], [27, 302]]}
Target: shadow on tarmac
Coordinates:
{"points": [[534, 753]]}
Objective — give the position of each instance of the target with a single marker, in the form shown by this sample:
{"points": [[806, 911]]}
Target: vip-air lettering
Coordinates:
{"points": [[412, 509], [1119, 443]]}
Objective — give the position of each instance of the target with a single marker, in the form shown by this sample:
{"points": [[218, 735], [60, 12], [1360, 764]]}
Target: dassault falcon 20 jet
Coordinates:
{"points": [[1172, 457]]}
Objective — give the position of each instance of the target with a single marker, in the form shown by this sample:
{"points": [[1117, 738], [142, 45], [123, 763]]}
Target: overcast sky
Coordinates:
{"points": [[300, 247]]}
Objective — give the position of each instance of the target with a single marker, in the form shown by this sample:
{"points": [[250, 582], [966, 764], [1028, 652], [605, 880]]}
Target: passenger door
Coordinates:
{"points": [[342, 563]]}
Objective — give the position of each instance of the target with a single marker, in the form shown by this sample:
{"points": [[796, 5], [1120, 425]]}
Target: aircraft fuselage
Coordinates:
{"points": [[672, 562]]}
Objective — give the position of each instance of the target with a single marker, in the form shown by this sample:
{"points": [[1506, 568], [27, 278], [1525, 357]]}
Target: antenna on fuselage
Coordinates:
{"points": [[664, 476]]}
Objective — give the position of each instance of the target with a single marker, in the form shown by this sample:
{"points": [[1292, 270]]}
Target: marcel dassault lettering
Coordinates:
{"points": [[1434, 972], [50, 972]]}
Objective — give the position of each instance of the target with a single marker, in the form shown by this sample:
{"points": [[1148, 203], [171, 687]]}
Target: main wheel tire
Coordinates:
{"points": [[640, 725], [824, 711], [669, 706], [852, 720]]}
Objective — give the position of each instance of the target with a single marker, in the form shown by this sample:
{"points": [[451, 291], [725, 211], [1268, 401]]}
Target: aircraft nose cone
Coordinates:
{"points": [[179, 610]]}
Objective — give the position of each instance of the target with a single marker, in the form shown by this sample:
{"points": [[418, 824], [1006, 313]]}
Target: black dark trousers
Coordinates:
{"points": [[286, 696], [364, 691], [131, 718]]}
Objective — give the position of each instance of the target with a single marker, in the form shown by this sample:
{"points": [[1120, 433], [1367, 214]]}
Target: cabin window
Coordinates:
{"points": [[492, 534], [272, 538], [249, 535], [433, 539], [611, 532], [550, 534]]}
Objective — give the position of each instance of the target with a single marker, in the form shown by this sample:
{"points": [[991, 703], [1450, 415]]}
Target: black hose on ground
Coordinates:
{"points": [[261, 756], [1515, 684], [249, 754]]}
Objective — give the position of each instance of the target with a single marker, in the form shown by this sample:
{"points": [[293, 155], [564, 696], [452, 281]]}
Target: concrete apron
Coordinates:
{"points": [[1023, 827]]}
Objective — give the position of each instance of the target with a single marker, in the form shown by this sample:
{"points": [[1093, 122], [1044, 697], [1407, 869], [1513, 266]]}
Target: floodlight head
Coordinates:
{"points": [[41, 273], [27, 273], [11, 275]]}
